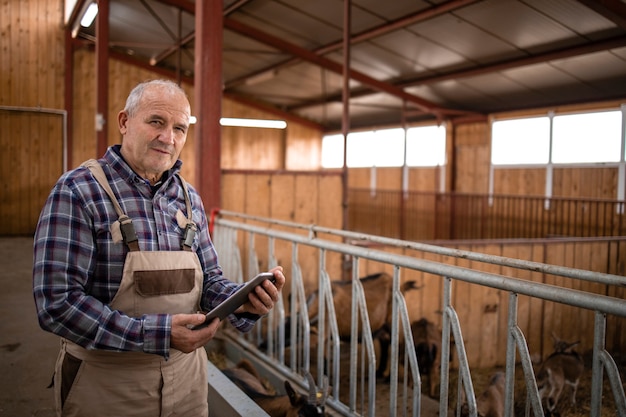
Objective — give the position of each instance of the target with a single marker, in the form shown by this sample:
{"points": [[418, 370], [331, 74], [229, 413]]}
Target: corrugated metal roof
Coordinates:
{"points": [[456, 57]]}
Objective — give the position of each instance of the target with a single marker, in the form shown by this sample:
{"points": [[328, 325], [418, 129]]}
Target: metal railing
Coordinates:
{"points": [[422, 216], [287, 352]]}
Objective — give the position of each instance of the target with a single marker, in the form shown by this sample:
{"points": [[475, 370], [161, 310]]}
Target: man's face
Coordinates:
{"points": [[155, 135]]}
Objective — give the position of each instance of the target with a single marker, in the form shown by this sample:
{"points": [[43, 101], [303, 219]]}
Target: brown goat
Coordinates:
{"points": [[563, 367], [377, 289], [491, 402], [246, 377], [427, 342]]}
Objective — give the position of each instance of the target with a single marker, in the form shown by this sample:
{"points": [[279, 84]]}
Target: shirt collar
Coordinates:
{"points": [[114, 158]]}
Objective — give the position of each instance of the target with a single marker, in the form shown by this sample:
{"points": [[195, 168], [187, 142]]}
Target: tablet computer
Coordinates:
{"points": [[236, 299]]}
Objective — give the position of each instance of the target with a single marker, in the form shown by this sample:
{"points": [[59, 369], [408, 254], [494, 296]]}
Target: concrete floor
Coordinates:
{"points": [[27, 353]]}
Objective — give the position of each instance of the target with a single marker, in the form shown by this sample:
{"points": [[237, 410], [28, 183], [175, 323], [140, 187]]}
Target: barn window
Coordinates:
{"points": [[425, 146], [580, 138], [587, 138], [520, 141], [593, 137], [362, 149], [332, 151]]}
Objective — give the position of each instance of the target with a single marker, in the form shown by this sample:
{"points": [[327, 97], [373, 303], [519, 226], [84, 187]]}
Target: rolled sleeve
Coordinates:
{"points": [[156, 334]]}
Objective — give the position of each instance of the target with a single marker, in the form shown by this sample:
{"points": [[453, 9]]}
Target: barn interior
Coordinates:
{"points": [[333, 67]]}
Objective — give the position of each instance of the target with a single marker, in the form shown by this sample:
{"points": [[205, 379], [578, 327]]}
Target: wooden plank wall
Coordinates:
{"points": [[31, 76], [471, 158], [295, 196]]}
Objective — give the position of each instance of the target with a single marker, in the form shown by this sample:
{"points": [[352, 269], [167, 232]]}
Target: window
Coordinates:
{"points": [[426, 146], [520, 141], [361, 150], [576, 138], [587, 138], [332, 151]]}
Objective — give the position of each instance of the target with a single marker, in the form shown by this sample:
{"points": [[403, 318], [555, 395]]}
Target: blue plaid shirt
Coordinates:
{"points": [[77, 267]]}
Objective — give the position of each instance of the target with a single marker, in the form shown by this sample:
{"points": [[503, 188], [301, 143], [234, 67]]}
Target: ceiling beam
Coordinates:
{"points": [[235, 6], [589, 48], [189, 80], [302, 53], [186, 6], [310, 56], [270, 109], [614, 10], [380, 30], [617, 42]]}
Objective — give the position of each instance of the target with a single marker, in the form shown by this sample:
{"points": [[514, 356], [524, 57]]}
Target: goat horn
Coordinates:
{"points": [[312, 388]]}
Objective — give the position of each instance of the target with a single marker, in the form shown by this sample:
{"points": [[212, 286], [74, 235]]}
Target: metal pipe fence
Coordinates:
{"points": [[414, 215], [285, 343]]}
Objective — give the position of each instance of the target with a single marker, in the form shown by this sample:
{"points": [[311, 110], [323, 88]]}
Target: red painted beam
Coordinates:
{"points": [[69, 99], [102, 77], [311, 56], [380, 30], [208, 101]]}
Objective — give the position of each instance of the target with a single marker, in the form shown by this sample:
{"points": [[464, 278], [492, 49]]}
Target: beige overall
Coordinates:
{"points": [[107, 383]]}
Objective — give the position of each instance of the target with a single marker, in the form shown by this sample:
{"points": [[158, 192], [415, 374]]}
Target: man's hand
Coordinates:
{"points": [[262, 299], [187, 340]]}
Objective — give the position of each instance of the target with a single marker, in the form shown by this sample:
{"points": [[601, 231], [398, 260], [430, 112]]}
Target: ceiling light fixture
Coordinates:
{"points": [[268, 124], [89, 15]]}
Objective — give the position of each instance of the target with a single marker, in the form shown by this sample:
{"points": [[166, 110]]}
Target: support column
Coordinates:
{"points": [[69, 100], [102, 77], [345, 119], [208, 101]]}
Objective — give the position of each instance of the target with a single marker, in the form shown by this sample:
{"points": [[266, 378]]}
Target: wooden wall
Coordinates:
{"points": [[294, 196], [31, 76], [471, 158], [32, 73]]}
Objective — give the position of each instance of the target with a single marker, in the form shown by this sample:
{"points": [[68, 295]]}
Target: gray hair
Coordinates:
{"points": [[132, 102]]}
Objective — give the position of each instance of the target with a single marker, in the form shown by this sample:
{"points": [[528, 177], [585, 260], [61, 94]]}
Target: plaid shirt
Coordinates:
{"points": [[77, 267]]}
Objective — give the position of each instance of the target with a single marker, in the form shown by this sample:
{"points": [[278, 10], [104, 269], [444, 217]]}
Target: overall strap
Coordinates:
{"points": [[126, 223], [190, 226]]}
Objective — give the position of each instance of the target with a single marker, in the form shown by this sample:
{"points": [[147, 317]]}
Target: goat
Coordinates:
{"points": [[377, 289], [427, 342], [491, 402], [563, 366], [246, 377]]}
